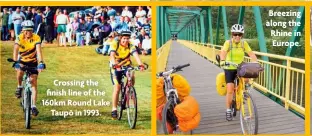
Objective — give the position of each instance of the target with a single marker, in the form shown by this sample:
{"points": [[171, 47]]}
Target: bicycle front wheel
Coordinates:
{"points": [[121, 103], [27, 109], [132, 106], [249, 115], [169, 121]]}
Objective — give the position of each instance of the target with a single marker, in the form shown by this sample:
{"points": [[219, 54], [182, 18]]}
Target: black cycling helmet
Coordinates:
{"points": [[125, 33]]}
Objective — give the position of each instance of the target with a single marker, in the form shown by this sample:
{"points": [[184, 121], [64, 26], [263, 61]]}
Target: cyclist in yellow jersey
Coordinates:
{"points": [[234, 51], [27, 52], [120, 53]]}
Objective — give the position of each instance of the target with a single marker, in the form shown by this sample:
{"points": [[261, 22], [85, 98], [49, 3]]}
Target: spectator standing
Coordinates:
{"points": [[34, 14], [10, 24], [49, 25], [140, 14], [126, 12], [18, 18], [61, 21], [39, 23], [56, 35], [5, 25], [29, 14]]}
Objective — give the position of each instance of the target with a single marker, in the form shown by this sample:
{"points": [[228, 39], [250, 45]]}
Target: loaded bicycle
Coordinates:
{"points": [[243, 102], [169, 120]]}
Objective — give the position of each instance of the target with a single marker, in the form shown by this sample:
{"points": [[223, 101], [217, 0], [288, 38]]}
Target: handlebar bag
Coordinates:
{"points": [[187, 113], [249, 70], [160, 95], [182, 85]]}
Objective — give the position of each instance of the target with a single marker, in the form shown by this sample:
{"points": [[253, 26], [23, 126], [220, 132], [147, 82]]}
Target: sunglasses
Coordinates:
{"points": [[238, 34]]}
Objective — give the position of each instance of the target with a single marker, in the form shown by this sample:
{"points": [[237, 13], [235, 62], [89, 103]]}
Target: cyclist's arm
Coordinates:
{"points": [[112, 57], [224, 50], [15, 52], [250, 53], [135, 54], [39, 52], [252, 56], [137, 58]]}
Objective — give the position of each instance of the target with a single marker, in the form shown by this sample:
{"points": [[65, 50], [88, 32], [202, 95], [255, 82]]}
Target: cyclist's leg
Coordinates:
{"points": [[229, 77], [116, 90], [18, 92], [33, 81]]}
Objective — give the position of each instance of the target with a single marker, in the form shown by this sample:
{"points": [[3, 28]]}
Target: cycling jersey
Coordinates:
{"points": [[122, 53], [27, 48], [235, 53]]}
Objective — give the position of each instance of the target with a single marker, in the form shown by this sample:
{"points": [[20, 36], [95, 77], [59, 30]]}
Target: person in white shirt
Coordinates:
{"points": [[146, 45], [140, 14], [62, 21], [149, 14], [18, 18], [134, 40], [113, 22], [126, 12], [69, 32]]}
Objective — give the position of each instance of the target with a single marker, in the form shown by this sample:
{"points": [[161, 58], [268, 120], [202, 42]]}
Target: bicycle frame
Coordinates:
{"points": [[27, 88]]}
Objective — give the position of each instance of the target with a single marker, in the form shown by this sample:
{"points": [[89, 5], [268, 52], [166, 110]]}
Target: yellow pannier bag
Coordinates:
{"points": [[221, 84], [161, 98], [182, 85]]}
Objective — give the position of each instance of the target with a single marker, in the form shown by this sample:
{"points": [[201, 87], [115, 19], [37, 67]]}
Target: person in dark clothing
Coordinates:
{"points": [[39, 21], [5, 21], [141, 37], [34, 14], [29, 14], [49, 24], [105, 29]]}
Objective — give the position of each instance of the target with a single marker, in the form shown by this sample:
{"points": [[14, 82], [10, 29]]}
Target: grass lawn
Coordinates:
{"points": [[66, 64]]}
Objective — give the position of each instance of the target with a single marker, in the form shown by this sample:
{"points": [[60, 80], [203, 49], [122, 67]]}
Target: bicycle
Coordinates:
{"points": [[27, 92], [243, 102], [171, 94], [127, 96]]}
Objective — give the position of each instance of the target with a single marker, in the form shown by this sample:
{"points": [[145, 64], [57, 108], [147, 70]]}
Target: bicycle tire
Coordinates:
{"points": [[27, 110], [121, 102], [132, 94], [254, 110]]}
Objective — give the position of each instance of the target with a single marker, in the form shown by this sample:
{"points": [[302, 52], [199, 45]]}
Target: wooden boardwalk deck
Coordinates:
{"points": [[273, 118]]}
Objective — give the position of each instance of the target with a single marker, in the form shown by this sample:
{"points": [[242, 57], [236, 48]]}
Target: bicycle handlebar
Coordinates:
{"points": [[173, 70], [25, 67], [137, 68]]}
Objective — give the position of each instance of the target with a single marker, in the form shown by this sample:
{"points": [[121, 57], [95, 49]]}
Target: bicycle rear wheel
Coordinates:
{"points": [[27, 109], [248, 115], [131, 105]]}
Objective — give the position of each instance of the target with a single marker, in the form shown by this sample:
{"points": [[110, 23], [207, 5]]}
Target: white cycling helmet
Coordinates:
{"points": [[237, 28], [27, 25]]}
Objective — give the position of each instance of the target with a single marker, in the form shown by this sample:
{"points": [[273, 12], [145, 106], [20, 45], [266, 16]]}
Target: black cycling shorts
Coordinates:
{"points": [[230, 75], [31, 64]]}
